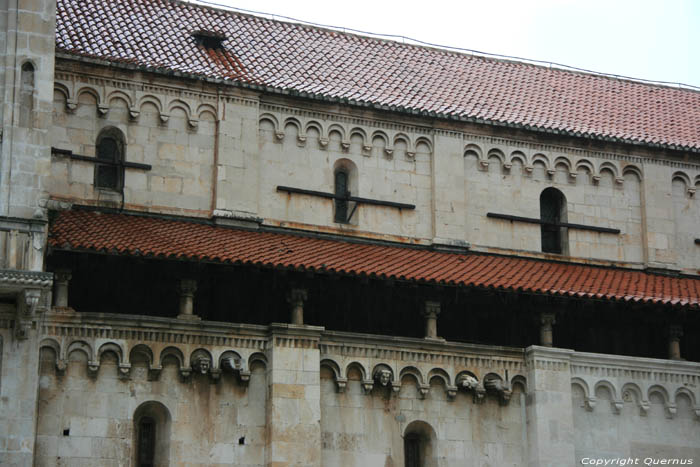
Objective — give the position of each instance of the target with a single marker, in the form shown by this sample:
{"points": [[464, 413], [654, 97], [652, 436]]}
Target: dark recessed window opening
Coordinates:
{"points": [[110, 149], [552, 214], [341, 189], [146, 442], [411, 449], [209, 39]]}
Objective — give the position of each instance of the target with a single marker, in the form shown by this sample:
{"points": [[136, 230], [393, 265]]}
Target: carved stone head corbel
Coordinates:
{"points": [[201, 362]]}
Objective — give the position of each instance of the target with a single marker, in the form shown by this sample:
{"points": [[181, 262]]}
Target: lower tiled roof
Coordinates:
{"points": [[140, 235]]}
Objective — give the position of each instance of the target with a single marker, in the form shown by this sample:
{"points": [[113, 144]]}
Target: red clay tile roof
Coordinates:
{"points": [[164, 238], [320, 63]]}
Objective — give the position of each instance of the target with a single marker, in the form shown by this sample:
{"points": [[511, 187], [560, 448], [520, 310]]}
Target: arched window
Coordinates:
{"points": [[110, 150], [151, 446], [552, 214], [341, 189], [419, 445]]}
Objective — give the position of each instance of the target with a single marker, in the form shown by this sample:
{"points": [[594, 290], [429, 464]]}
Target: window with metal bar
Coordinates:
{"points": [[146, 442], [341, 189], [110, 149], [552, 214]]}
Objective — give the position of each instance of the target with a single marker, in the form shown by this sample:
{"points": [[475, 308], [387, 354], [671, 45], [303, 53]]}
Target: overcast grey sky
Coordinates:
{"points": [[649, 39]]}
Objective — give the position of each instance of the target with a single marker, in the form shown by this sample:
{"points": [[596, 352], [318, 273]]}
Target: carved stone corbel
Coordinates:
{"points": [[590, 403], [484, 165], [696, 411], [102, 110], [28, 300], [617, 406], [366, 150], [389, 152], [671, 409], [61, 366], [500, 387], [410, 154], [345, 145], [185, 373], [124, 371], [529, 169], [551, 172], [71, 105], [451, 392], [301, 140], [619, 180], [93, 367], [323, 142], [279, 135], [644, 407], [154, 373], [193, 123], [215, 375], [423, 390], [383, 377], [368, 385], [507, 166], [396, 387], [164, 118], [341, 384], [201, 362], [244, 376], [134, 113], [595, 179]]}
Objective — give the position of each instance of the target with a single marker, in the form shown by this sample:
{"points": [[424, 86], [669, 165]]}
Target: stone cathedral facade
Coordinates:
{"points": [[230, 240]]}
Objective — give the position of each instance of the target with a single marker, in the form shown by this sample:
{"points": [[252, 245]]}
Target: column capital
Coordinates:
{"points": [[548, 318], [296, 295], [188, 286], [431, 310], [62, 275], [675, 331]]}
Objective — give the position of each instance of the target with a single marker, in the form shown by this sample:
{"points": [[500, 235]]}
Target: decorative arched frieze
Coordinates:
{"points": [[298, 128], [689, 186], [468, 381], [613, 169], [118, 350], [615, 402], [84, 347], [497, 155], [192, 121], [631, 392], [669, 405], [444, 377], [366, 144], [341, 381], [542, 159], [340, 130], [410, 148], [207, 109], [500, 386], [412, 371], [589, 400], [423, 141], [97, 94], [384, 376], [54, 345], [366, 381], [388, 148], [274, 121]]}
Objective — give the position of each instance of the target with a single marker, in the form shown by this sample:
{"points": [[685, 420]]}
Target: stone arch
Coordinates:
{"points": [[581, 384], [118, 96], [62, 89], [172, 352], [182, 105], [359, 132], [420, 445], [334, 367], [632, 391], [519, 380], [47, 342], [94, 92], [683, 391], [360, 367], [336, 128], [585, 165], [440, 374], [80, 346], [144, 351], [257, 357], [207, 109], [268, 117], [542, 159], [153, 447], [561, 160], [296, 124], [150, 99], [424, 141], [607, 385], [660, 390], [201, 360], [113, 347], [631, 169], [609, 166], [237, 362], [518, 156], [474, 149], [682, 176], [315, 125]]}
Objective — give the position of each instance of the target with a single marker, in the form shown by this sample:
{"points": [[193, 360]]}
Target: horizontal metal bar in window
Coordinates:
{"points": [[94, 160], [532, 220], [355, 199]]}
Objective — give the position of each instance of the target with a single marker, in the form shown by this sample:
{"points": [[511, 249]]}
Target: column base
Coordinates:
{"points": [[189, 317]]}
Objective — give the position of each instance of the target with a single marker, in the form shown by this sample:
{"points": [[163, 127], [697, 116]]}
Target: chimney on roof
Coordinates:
{"points": [[209, 39]]}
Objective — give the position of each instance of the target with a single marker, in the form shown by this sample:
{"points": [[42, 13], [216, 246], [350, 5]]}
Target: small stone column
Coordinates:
{"points": [[431, 312], [296, 298], [60, 294], [675, 333], [187, 289], [546, 334]]}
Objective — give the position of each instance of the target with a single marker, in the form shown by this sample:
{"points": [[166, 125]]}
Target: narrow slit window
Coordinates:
{"points": [[552, 214], [412, 452], [146, 442], [341, 190], [110, 149]]}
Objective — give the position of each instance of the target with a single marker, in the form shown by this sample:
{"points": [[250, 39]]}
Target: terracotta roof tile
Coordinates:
{"points": [[291, 57], [164, 238]]}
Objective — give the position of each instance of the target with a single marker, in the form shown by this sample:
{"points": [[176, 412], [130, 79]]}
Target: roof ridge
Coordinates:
{"points": [[461, 51]]}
